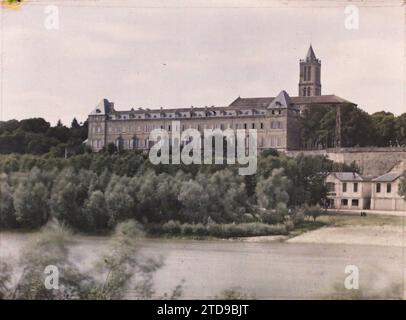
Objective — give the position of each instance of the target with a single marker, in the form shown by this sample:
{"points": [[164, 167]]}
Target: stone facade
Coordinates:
{"points": [[373, 161], [310, 75], [276, 119]]}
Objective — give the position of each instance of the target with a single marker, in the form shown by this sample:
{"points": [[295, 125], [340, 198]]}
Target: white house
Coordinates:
{"points": [[385, 191], [348, 190]]}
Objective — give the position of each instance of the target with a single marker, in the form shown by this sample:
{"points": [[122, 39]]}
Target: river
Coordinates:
{"points": [[266, 270]]}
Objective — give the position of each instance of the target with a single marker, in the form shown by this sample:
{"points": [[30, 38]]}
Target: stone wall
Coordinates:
{"points": [[373, 161]]}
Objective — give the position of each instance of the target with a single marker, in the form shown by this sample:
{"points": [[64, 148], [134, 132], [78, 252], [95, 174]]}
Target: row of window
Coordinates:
{"points": [[331, 187], [191, 114], [275, 141], [147, 128], [307, 73], [354, 202], [307, 91], [388, 188], [354, 189]]}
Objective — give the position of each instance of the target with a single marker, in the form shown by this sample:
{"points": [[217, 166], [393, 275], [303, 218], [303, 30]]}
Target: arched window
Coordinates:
{"points": [[308, 91], [304, 91]]}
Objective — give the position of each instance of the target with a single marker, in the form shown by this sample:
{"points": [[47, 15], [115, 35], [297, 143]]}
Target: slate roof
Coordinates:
{"points": [[282, 100], [310, 54], [104, 107], [388, 177], [347, 176], [265, 101]]}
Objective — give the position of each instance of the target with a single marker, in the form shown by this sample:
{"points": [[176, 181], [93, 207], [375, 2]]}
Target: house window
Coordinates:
{"points": [[262, 125], [330, 186], [308, 91], [253, 126], [344, 187], [388, 188], [304, 92], [245, 126], [354, 203], [378, 188], [355, 187], [344, 202]]}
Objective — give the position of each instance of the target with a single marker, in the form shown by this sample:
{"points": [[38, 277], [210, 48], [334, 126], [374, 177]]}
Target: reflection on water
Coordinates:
{"points": [[267, 270]]}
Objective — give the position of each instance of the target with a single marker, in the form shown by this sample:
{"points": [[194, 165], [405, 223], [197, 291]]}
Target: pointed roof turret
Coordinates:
{"points": [[282, 100], [104, 107], [310, 54]]}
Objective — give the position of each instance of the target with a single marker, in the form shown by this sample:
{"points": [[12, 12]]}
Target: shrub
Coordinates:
{"points": [[172, 227], [313, 212], [229, 230]]}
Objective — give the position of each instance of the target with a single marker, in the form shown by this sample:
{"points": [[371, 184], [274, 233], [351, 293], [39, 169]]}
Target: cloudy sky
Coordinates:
{"points": [[182, 53]]}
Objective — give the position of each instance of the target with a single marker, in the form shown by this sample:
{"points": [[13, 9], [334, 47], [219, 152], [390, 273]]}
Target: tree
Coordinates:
{"points": [[273, 190], [75, 124], [69, 194], [319, 122], [384, 128], [96, 211], [400, 129], [35, 125], [402, 186], [7, 213], [195, 201], [122, 268], [119, 202], [313, 212], [111, 148], [50, 248], [31, 204]]}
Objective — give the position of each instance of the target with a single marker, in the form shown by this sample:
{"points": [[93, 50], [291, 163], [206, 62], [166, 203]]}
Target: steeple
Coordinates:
{"points": [[309, 77], [310, 54]]}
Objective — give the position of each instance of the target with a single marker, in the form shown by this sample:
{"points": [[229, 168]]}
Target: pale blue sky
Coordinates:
{"points": [[185, 54]]}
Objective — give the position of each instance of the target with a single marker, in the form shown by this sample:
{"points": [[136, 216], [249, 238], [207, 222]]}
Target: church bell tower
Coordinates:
{"points": [[309, 80]]}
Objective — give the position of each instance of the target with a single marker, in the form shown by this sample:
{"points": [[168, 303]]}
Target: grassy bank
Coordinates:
{"points": [[215, 230], [344, 219]]}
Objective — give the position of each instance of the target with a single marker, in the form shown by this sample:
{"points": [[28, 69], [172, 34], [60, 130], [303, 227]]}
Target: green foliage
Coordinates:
{"points": [[36, 136], [313, 212], [49, 248], [93, 192], [227, 230], [273, 191], [122, 268], [402, 186], [7, 212], [380, 129], [116, 272]]}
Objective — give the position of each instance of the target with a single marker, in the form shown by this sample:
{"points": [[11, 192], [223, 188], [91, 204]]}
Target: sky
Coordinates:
{"points": [[181, 53]]}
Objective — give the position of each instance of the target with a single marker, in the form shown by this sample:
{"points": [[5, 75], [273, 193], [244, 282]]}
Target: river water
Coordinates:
{"points": [[266, 270]]}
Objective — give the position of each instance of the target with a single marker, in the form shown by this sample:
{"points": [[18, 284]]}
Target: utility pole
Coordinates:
{"points": [[338, 127]]}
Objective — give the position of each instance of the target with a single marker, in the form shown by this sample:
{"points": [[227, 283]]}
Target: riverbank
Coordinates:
{"points": [[277, 270], [339, 228], [379, 230]]}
